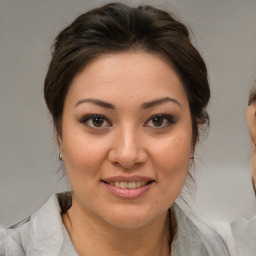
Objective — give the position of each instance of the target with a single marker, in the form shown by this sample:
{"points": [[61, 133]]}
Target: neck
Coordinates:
{"points": [[92, 236]]}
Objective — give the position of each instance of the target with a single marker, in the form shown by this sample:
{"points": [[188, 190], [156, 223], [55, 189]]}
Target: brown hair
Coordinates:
{"points": [[252, 94], [116, 27]]}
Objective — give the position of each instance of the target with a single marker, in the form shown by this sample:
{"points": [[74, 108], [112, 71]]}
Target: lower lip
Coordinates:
{"points": [[126, 193]]}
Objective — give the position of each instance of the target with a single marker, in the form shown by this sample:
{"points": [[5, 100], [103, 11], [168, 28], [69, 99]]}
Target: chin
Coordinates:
{"points": [[130, 217]]}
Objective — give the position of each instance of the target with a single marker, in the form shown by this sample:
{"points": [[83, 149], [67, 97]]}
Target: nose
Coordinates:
{"points": [[127, 149]]}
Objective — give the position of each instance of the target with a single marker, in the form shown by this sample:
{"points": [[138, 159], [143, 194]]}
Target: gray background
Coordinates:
{"points": [[225, 33]]}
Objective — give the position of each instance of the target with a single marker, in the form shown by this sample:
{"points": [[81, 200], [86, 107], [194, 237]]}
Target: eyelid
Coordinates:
{"points": [[89, 117], [169, 118]]}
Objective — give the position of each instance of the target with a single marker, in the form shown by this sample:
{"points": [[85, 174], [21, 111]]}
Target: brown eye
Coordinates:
{"points": [[98, 121], [95, 121], [160, 121], [157, 121]]}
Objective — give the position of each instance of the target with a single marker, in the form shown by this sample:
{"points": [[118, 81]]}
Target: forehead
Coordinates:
{"points": [[135, 75]]}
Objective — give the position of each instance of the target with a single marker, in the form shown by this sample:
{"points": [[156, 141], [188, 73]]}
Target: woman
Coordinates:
{"points": [[127, 92], [243, 230], [251, 123]]}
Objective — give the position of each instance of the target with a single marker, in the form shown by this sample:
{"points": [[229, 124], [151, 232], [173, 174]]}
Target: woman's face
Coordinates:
{"points": [[251, 121], [126, 138]]}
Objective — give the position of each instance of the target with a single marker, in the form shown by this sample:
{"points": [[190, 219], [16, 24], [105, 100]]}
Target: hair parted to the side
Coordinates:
{"points": [[116, 27], [252, 94]]}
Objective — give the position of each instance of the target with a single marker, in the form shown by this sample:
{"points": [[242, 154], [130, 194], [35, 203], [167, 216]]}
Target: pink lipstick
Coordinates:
{"points": [[128, 187]]}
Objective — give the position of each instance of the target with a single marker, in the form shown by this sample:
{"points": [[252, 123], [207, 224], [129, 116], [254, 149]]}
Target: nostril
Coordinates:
{"points": [[127, 157], [125, 165]]}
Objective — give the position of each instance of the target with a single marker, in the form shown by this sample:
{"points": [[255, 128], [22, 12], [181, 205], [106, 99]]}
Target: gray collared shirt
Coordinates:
{"points": [[44, 234]]}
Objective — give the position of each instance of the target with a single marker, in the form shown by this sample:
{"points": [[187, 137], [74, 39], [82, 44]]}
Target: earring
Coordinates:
{"points": [[60, 156]]}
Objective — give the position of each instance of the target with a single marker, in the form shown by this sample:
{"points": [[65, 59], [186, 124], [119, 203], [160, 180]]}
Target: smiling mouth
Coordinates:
{"points": [[129, 185]]}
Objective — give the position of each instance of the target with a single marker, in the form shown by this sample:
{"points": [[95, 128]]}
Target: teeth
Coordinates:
{"points": [[129, 185], [143, 183], [123, 185], [132, 185]]}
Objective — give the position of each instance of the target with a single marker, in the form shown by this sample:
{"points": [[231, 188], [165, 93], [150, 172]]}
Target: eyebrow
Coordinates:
{"points": [[145, 105], [96, 102], [160, 101]]}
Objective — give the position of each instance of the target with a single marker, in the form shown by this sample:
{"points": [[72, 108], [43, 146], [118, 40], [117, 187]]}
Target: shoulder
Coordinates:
{"points": [[2, 237], [15, 239], [244, 233], [44, 229], [199, 235]]}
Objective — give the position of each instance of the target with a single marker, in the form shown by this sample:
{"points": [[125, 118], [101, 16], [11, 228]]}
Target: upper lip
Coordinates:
{"points": [[127, 179]]}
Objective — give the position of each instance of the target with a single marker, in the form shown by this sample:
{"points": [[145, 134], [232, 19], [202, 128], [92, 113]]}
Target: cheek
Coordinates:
{"points": [[173, 150], [171, 162], [82, 153], [250, 113], [248, 116], [84, 160], [82, 157]]}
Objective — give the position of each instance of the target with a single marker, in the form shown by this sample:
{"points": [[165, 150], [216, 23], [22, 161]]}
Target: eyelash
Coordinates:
{"points": [[168, 118], [88, 118]]}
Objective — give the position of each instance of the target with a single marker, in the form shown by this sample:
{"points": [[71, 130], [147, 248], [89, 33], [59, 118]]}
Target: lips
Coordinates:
{"points": [[128, 187], [130, 182]]}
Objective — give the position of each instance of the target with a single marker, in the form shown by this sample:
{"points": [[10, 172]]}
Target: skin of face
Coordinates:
{"points": [[251, 124], [251, 121], [134, 87]]}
